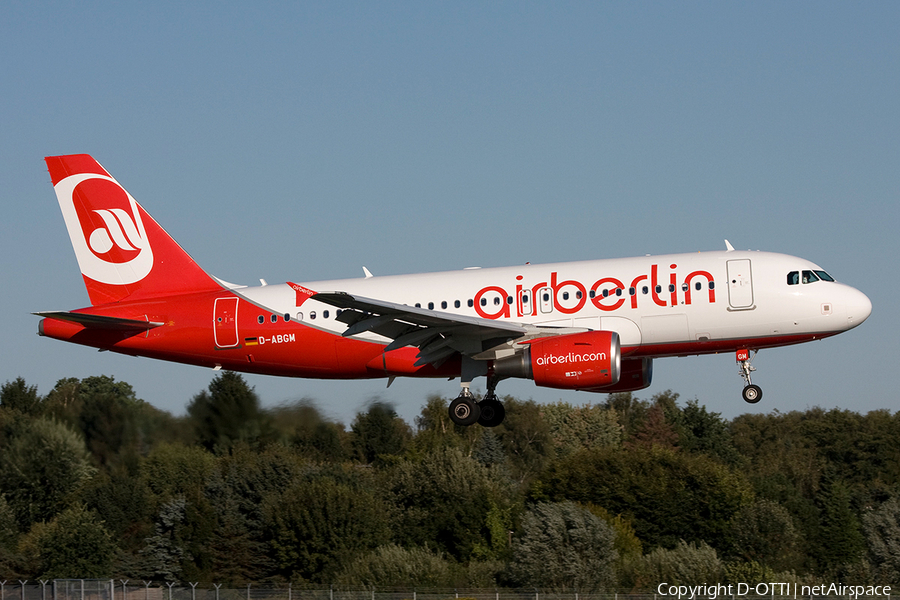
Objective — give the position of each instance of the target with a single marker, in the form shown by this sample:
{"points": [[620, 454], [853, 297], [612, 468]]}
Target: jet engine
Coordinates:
{"points": [[577, 361]]}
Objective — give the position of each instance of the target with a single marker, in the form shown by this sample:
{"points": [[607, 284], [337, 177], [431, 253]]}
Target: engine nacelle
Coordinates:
{"points": [[636, 374], [577, 361]]}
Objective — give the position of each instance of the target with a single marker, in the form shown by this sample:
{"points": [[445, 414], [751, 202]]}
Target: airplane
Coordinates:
{"points": [[593, 325]]}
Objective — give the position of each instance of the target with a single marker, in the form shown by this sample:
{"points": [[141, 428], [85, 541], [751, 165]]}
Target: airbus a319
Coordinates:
{"points": [[592, 325]]}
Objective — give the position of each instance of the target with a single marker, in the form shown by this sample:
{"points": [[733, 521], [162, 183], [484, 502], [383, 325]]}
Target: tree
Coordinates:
{"points": [[666, 495], [394, 566], [452, 503], [74, 544], [19, 396], [228, 412], [574, 428], [526, 438], [378, 432], [563, 547], [840, 540], [685, 564], [319, 524], [42, 466], [763, 531], [302, 426], [882, 529]]}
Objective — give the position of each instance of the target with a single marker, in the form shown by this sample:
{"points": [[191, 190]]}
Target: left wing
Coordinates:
{"points": [[438, 335]]}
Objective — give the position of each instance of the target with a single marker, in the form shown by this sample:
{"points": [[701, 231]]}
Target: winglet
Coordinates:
{"points": [[366, 271], [728, 246]]}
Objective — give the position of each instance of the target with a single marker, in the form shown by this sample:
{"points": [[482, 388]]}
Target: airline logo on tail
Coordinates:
{"points": [[107, 232]]}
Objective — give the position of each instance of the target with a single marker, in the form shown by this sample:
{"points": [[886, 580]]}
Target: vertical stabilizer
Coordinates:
{"points": [[122, 252]]}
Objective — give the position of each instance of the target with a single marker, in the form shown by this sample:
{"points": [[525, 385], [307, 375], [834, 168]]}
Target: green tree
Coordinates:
{"points": [[19, 396], [563, 547], [227, 413], [379, 432], [574, 428], [452, 503], [526, 438], [685, 564], [42, 467], [321, 523], [705, 432], [763, 531], [74, 545], [666, 495], [840, 540], [882, 530], [302, 426], [394, 566]]}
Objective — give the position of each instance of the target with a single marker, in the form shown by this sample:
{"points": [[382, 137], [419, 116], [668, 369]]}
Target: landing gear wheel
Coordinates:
{"points": [[464, 411], [752, 393], [492, 412]]}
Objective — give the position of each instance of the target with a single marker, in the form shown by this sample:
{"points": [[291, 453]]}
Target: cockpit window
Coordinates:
{"points": [[794, 278]]}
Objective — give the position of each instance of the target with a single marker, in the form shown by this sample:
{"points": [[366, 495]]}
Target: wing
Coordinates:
{"points": [[438, 335]]}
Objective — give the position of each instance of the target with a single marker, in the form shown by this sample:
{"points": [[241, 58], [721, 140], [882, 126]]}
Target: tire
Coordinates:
{"points": [[464, 411], [492, 413], [752, 394]]}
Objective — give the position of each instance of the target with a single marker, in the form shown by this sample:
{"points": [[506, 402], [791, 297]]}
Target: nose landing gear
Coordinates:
{"points": [[751, 393]]}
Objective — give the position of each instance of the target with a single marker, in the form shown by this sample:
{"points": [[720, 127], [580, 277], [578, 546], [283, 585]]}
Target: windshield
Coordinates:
{"points": [[810, 276]]}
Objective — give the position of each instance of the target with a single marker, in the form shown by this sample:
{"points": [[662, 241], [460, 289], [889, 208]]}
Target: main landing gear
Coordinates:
{"points": [[465, 410], [751, 393]]}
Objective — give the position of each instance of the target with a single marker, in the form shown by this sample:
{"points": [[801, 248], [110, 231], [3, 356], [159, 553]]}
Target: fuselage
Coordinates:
{"points": [[668, 305]]}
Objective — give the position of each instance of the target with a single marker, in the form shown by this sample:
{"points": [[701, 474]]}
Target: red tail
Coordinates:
{"points": [[122, 252]]}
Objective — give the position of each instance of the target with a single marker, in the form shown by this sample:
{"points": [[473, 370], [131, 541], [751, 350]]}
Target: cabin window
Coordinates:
{"points": [[509, 299], [698, 286], [261, 319], [618, 291], [565, 295], [443, 304], [685, 287], [312, 315], [793, 278], [809, 277], [631, 291], [324, 314], [287, 318], [431, 306], [645, 290], [471, 303], [496, 300], [274, 318], [484, 301], [578, 294], [418, 305]]}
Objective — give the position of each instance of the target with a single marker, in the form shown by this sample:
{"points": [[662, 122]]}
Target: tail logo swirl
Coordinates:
{"points": [[106, 229]]}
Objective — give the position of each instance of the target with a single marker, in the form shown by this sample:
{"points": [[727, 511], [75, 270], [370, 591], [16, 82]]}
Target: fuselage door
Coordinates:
{"points": [[740, 284], [225, 322], [545, 296]]}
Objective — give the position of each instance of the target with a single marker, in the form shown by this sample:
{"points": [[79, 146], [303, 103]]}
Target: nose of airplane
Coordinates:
{"points": [[859, 307]]}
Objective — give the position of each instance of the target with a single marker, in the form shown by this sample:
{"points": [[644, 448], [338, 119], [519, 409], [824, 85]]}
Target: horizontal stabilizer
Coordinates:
{"points": [[100, 322]]}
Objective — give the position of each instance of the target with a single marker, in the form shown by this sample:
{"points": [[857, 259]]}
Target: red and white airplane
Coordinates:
{"points": [[592, 325]]}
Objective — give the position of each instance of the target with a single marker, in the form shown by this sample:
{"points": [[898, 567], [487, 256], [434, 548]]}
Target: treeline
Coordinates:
{"points": [[625, 494]]}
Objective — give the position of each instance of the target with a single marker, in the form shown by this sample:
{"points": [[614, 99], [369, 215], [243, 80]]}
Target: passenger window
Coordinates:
{"points": [[287, 318], [274, 318], [565, 295], [443, 304], [312, 315], [431, 306], [685, 287], [300, 316], [484, 301], [324, 314], [509, 300], [631, 291], [698, 286], [496, 300], [793, 278], [261, 319], [471, 303], [418, 305], [712, 285], [645, 290], [456, 304], [578, 294]]}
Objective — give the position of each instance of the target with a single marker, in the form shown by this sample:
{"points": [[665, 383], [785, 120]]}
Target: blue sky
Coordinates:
{"points": [[301, 141]]}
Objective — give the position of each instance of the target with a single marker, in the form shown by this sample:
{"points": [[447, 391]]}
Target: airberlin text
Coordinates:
{"points": [[571, 358], [607, 293], [713, 591]]}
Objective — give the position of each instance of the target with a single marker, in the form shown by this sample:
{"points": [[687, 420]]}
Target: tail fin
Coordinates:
{"points": [[122, 252]]}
